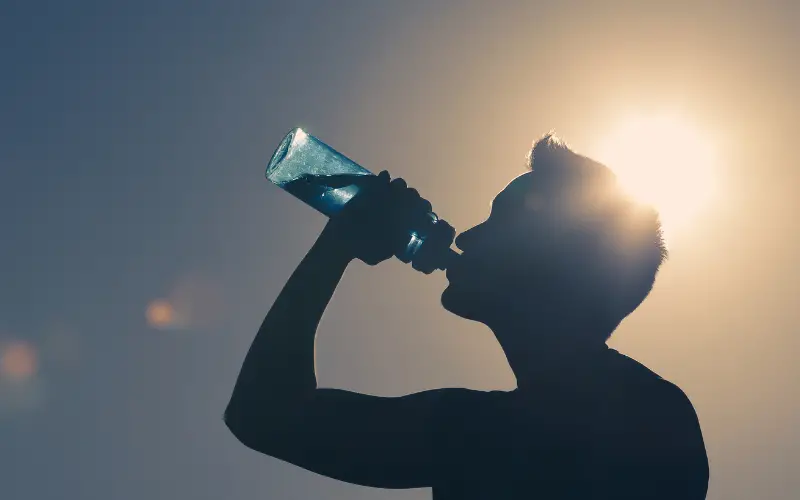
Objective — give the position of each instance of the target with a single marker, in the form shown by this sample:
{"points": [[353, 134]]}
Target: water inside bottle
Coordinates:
{"points": [[326, 193]]}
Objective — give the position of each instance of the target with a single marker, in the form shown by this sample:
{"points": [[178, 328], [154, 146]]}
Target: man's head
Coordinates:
{"points": [[561, 240]]}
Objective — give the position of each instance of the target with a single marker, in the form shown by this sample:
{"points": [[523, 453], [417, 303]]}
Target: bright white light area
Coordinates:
{"points": [[663, 161]]}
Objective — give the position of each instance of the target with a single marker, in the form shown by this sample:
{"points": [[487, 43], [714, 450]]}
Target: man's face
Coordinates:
{"points": [[515, 257]]}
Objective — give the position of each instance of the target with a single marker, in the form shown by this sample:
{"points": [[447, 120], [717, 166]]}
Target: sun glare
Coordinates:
{"points": [[663, 161], [160, 314]]}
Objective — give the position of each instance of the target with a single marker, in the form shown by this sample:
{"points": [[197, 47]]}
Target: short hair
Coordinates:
{"points": [[630, 247]]}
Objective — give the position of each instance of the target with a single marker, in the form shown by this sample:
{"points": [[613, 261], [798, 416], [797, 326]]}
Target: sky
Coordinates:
{"points": [[133, 142]]}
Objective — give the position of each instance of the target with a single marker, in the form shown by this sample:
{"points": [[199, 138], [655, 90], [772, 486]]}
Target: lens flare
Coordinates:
{"points": [[18, 361], [160, 314]]}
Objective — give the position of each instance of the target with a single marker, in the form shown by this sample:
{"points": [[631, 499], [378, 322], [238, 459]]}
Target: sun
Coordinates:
{"points": [[666, 162]]}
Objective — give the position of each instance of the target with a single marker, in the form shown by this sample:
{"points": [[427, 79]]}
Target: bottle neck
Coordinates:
{"points": [[428, 249]]}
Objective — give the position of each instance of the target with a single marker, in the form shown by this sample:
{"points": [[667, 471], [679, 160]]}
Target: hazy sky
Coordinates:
{"points": [[133, 142]]}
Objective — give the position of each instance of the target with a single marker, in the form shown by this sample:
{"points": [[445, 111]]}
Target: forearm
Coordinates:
{"points": [[279, 367]]}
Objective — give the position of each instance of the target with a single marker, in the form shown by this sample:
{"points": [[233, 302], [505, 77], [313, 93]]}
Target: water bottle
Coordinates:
{"points": [[303, 166]]}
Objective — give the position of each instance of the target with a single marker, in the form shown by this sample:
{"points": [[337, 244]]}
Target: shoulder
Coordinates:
{"points": [[643, 384], [666, 439], [666, 415], [628, 369], [661, 408], [650, 384]]}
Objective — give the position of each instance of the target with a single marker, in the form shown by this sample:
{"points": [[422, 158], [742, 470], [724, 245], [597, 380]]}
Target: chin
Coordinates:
{"points": [[461, 303]]}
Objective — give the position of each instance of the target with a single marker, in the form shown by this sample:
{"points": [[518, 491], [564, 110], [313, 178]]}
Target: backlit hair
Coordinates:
{"points": [[630, 246]]}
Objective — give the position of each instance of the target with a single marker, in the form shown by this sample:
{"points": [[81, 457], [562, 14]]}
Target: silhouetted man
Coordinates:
{"points": [[562, 259]]}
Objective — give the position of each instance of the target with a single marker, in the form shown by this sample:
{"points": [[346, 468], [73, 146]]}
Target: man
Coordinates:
{"points": [[562, 259]]}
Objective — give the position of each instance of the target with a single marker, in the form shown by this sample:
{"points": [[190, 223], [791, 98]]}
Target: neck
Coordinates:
{"points": [[547, 347]]}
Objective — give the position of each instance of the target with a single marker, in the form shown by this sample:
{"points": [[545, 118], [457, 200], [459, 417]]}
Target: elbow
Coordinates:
{"points": [[241, 425], [235, 426], [264, 435]]}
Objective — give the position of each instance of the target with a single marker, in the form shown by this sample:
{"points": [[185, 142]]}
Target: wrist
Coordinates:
{"points": [[334, 246]]}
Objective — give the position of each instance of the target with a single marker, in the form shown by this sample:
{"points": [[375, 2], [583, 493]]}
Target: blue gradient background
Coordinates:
{"points": [[133, 142]]}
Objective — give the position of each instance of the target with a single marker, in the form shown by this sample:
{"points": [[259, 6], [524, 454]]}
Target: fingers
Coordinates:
{"points": [[426, 205], [398, 184], [380, 217], [444, 231], [408, 198], [417, 202], [393, 199], [430, 257]]}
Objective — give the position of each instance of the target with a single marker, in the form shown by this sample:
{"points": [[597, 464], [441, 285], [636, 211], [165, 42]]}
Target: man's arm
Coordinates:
{"points": [[278, 371], [276, 407], [393, 443]]}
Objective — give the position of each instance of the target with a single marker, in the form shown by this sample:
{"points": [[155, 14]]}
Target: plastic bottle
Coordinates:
{"points": [[303, 166]]}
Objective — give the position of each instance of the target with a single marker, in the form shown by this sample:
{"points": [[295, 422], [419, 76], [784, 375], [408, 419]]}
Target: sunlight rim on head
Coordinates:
{"points": [[663, 160]]}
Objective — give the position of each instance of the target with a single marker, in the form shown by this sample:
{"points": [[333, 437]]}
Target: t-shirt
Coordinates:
{"points": [[608, 429]]}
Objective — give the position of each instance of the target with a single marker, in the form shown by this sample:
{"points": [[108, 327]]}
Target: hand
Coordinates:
{"points": [[375, 224]]}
